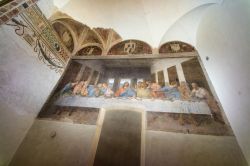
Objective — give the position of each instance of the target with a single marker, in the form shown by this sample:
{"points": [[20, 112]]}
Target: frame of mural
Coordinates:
{"points": [[173, 91]]}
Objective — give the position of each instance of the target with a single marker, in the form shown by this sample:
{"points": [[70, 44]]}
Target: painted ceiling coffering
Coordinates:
{"points": [[145, 20]]}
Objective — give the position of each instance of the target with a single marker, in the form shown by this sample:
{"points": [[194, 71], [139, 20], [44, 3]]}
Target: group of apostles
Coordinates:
{"points": [[143, 89]]}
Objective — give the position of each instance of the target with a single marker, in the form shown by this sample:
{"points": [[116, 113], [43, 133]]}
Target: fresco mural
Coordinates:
{"points": [[87, 41], [89, 50], [186, 101], [108, 35], [65, 35], [11, 8], [32, 26], [175, 47], [130, 47], [172, 73]]}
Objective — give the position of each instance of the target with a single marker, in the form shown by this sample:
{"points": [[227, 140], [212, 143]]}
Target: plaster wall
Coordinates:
{"points": [[47, 7], [167, 148], [186, 27], [72, 143], [57, 143], [25, 84], [224, 37]]}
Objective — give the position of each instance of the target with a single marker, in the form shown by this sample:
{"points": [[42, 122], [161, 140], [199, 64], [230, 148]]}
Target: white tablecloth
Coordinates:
{"points": [[155, 105]]}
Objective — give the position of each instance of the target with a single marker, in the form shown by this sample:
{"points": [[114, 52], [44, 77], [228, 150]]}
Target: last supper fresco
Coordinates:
{"points": [[174, 92]]}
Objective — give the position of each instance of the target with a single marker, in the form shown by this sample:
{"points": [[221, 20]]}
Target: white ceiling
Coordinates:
{"points": [[146, 20]]}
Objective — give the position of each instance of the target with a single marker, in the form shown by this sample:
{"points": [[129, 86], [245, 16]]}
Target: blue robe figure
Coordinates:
{"points": [[171, 92], [91, 91], [67, 88], [129, 92]]}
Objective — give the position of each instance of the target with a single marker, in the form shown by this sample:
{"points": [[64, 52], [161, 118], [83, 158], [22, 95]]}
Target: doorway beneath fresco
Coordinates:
{"points": [[120, 140]]}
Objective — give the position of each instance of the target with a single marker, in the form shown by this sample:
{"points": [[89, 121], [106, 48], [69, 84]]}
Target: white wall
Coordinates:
{"points": [[186, 27], [25, 84], [47, 7], [71, 145], [224, 36]]}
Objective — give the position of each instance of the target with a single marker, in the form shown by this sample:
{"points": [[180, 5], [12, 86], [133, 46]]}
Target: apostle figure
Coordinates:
{"points": [[94, 90], [68, 87], [84, 90], [184, 91], [78, 87], [125, 91], [106, 91], [171, 92], [199, 93], [155, 89], [142, 90]]}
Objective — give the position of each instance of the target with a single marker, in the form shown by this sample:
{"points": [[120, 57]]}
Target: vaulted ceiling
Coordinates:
{"points": [[145, 20]]}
